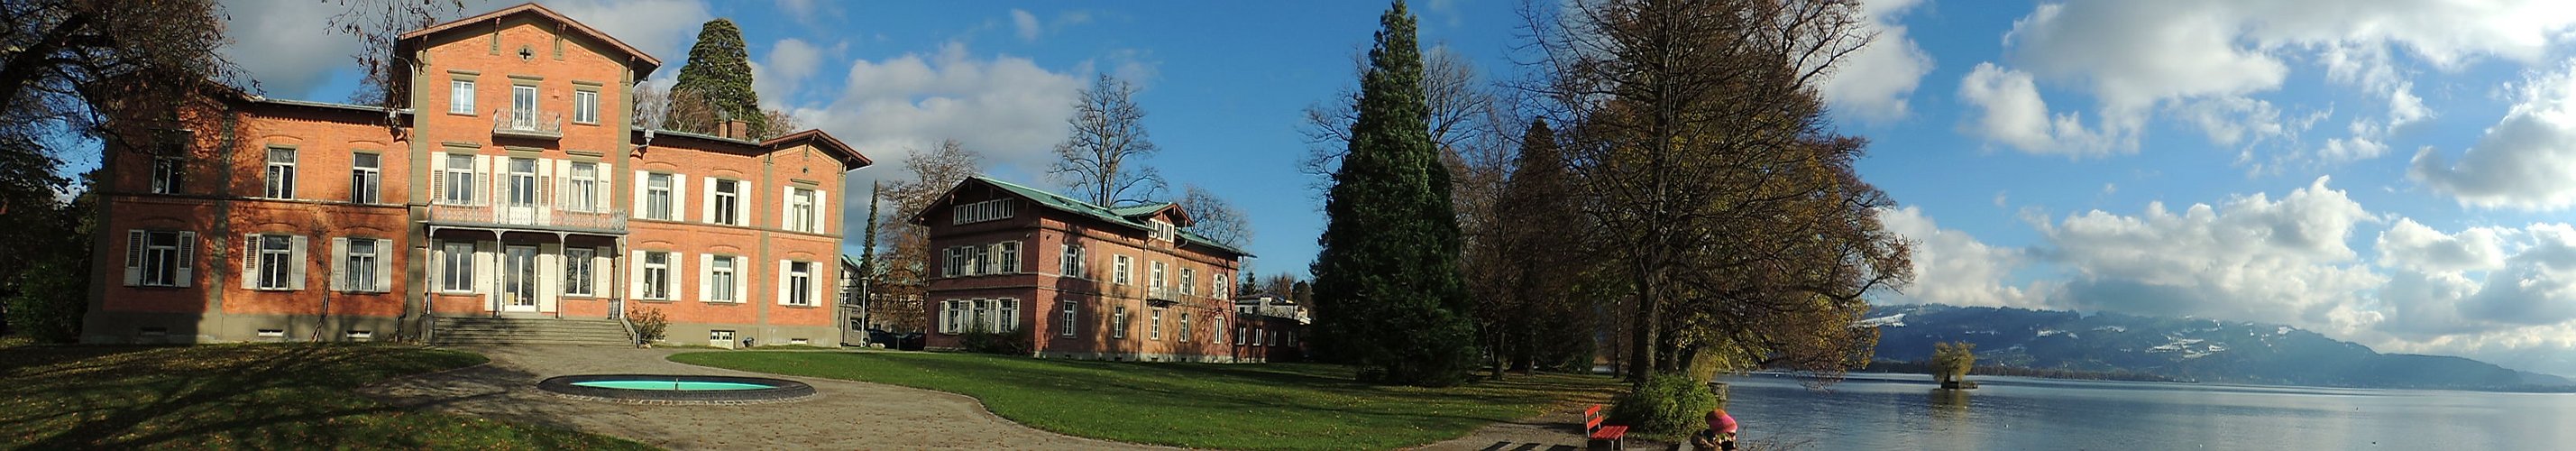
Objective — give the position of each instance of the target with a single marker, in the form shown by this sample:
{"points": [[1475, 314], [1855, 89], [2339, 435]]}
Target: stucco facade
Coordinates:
{"points": [[507, 182]]}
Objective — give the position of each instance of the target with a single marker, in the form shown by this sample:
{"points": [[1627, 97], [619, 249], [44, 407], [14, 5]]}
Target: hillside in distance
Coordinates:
{"points": [[2198, 349]]}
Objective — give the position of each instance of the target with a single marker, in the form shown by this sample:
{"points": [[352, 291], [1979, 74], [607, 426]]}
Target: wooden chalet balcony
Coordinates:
{"points": [[534, 124], [530, 216]]}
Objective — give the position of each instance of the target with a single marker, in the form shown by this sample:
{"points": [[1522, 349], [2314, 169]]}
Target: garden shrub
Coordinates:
{"points": [[1667, 405], [1014, 341], [649, 323], [48, 304]]}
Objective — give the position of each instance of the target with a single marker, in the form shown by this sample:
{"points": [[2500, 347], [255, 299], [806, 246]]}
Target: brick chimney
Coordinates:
{"points": [[734, 128]]}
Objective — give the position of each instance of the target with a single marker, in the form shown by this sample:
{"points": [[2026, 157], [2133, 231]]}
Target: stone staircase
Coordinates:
{"points": [[490, 331]]}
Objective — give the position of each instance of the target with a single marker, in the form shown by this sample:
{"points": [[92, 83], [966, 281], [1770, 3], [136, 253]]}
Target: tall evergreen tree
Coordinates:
{"points": [[719, 74], [1388, 292]]}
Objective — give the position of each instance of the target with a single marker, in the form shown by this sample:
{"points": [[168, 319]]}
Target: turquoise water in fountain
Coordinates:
{"points": [[672, 386]]}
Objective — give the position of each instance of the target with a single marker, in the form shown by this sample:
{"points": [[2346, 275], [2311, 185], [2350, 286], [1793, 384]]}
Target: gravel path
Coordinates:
{"points": [[843, 414], [1559, 430]]}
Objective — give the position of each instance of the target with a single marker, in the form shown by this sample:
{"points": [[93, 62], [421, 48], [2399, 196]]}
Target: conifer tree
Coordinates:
{"points": [[1388, 292], [719, 74]]}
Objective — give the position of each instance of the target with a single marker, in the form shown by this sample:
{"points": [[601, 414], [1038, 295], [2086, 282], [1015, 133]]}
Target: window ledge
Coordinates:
{"points": [[457, 293], [276, 289], [800, 305]]}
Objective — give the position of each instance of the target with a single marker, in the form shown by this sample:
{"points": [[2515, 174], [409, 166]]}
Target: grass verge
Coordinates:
{"points": [[1272, 406], [241, 397]]}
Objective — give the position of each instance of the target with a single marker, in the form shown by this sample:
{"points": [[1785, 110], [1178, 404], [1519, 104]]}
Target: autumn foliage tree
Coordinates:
{"points": [[1739, 230], [1951, 361]]}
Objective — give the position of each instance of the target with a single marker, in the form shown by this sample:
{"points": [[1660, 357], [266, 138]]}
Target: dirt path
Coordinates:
{"points": [[843, 415]]}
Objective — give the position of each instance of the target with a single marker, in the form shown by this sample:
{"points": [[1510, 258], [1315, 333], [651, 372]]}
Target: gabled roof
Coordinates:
{"points": [[850, 158], [1066, 204], [642, 63]]}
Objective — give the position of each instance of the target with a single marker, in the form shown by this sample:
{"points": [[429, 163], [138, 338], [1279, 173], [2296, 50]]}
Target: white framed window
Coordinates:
{"points": [[1006, 315], [1164, 231], [1189, 280], [657, 276], [801, 204], [657, 196], [1009, 254], [1123, 270], [1185, 326], [722, 275], [281, 174], [585, 106], [726, 199], [956, 312], [1239, 332], [1218, 327], [523, 182], [160, 258], [456, 273], [981, 211], [1071, 309], [457, 180], [977, 321], [1071, 265], [1158, 278], [1257, 335], [275, 261], [800, 283], [982, 258], [365, 264], [585, 187], [580, 271], [167, 173], [1154, 330], [1118, 322], [366, 174], [523, 107], [1218, 288], [956, 262], [460, 97]]}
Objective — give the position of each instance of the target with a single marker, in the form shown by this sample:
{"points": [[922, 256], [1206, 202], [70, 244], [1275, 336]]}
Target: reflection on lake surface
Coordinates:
{"points": [[1909, 411]]}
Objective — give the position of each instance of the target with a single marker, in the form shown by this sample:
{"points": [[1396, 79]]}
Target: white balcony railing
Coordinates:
{"points": [[529, 215], [527, 123]]}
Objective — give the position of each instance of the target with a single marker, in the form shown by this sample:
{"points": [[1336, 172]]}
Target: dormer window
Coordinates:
{"points": [[1165, 231], [982, 211]]}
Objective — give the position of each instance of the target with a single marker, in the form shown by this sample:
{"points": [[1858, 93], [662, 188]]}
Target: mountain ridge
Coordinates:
{"points": [[2199, 349]]}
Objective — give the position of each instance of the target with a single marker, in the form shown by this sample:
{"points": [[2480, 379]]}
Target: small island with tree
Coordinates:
{"points": [[1950, 364]]}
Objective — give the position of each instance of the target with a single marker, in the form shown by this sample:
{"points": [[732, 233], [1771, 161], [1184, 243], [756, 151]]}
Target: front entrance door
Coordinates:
{"points": [[519, 192], [519, 279]]}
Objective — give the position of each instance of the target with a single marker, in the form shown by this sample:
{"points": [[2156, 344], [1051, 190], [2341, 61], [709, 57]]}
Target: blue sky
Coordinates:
{"points": [[2392, 174]]}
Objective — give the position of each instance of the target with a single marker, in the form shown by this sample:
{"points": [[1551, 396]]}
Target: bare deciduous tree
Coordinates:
{"points": [[1215, 218], [906, 275], [1097, 161], [1458, 97], [378, 25]]}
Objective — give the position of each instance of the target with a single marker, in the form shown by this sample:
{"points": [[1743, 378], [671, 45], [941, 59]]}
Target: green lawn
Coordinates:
{"points": [[240, 397], [1272, 406]]}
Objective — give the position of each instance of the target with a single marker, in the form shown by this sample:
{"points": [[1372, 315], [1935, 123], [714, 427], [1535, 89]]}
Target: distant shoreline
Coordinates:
{"points": [[2043, 373]]}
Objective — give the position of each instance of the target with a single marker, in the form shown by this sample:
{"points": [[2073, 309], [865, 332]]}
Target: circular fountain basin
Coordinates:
{"points": [[672, 389]]}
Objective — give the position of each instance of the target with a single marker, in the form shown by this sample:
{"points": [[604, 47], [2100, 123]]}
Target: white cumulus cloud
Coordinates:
{"points": [[2524, 160], [1876, 82]]}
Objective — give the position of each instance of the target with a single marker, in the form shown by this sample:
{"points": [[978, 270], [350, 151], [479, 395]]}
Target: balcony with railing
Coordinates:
{"points": [[534, 124], [603, 220]]}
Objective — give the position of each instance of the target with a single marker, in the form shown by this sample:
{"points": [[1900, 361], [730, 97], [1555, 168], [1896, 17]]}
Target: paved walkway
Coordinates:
{"points": [[1559, 430], [843, 414]]}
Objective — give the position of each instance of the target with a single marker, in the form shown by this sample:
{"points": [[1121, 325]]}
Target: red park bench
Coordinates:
{"points": [[1597, 434]]}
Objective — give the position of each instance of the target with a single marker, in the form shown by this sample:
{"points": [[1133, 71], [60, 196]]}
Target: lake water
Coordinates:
{"points": [[1903, 411]]}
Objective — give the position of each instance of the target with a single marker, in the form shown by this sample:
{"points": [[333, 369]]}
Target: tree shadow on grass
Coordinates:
{"points": [[224, 396]]}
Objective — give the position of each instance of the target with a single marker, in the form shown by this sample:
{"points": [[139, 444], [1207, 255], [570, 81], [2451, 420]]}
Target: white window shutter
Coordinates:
{"points": [[679, 197], [487, 267], [786, 203], [635, 275], [742, 279], [707, 197], [598, 270], [296, 262], [639, 197], [437, 266], [133, 257], [250, 260], [340, 264], [706, 275], [385, 255], [782, 282], [187, 259], [820, 219], [679, 270], [437, 177], [483, 180]]}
